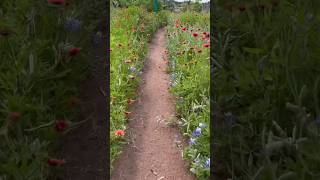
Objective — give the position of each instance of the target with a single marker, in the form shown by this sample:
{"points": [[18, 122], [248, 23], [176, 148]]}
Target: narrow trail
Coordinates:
{"points": [[153, 151]]}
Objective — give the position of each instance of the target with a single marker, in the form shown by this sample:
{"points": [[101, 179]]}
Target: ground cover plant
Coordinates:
{"points": [[42, 63], [188, 57], [266, 89], [131, 30]]}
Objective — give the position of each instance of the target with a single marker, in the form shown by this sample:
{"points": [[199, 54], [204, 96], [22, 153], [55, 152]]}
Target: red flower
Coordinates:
{"points": [[56, 162], [57, 2], [131, 77], [130, 101], [206, 45], [74, 51], [242, 8], [127, 113], [5, 32], [184, 29], [127, 61], [195, 34], [61, 125], [14, 116], [119, 132]]}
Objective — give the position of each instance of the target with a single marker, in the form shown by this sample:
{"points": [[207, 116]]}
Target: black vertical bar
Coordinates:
{"points": [[107, 52], [211, 91]]}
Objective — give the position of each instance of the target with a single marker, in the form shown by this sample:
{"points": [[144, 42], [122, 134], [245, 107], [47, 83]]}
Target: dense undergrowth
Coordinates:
{"points": [[131, 30], [266, 89], [188, 52], [42, 61]]}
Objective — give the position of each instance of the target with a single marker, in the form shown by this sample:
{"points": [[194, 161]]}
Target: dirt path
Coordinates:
{"points": [[153, 152]]}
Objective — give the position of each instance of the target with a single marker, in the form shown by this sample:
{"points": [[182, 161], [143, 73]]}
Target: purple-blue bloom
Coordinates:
{"points": [[197, 132], [132, 69], [207, 164], [72, 24], [192, 141]]}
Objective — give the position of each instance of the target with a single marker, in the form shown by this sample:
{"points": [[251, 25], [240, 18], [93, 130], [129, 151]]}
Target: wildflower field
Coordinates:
{"points": [[266, 89], [188, 49], [187, 56], [42, 62]]}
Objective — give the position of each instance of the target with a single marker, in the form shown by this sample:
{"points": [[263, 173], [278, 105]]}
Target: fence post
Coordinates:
{"points": [[155, 6]]}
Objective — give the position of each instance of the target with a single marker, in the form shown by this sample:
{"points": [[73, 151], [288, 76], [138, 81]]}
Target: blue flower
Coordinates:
{"points": [[192, 141], [173, 76], [197, 132], [133, 69], [207, 164], [202, 125], [72, 24], [173, 83]]}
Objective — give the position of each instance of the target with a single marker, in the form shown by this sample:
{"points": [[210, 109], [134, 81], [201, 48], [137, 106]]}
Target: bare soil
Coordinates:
{"points": [[154, 149]]}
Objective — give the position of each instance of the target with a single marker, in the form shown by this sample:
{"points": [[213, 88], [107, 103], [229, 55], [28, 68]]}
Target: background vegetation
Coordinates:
{"points": [[266, 89], [42, 63]]}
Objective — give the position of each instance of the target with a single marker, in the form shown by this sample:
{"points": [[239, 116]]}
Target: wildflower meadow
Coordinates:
{"points": [[134, 28]]}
